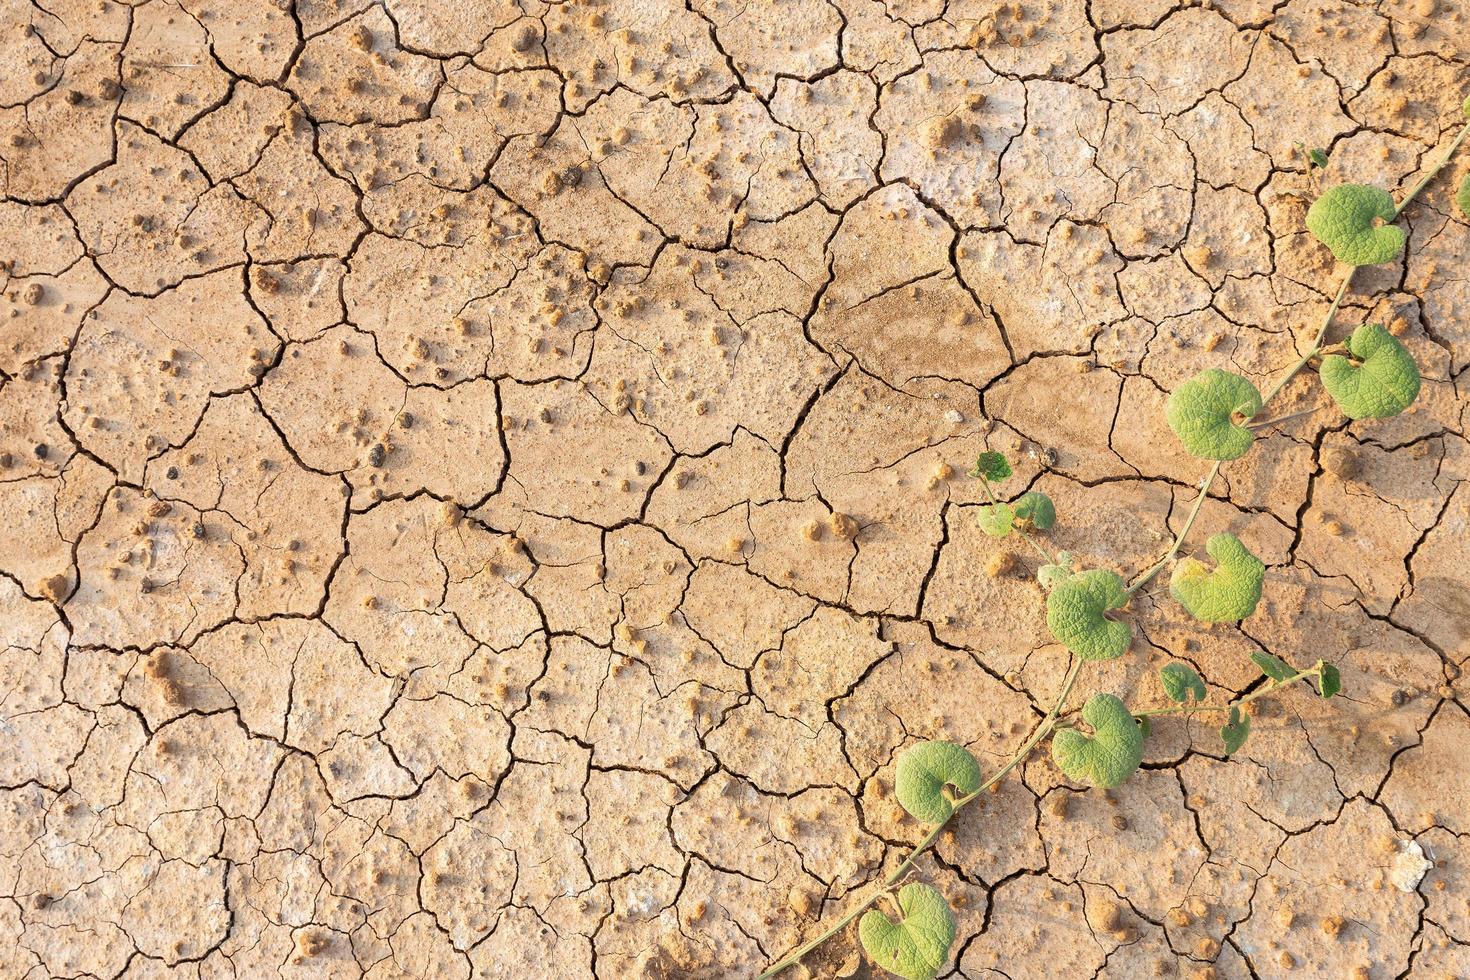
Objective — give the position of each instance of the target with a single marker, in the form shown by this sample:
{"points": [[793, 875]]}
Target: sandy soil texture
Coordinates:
{"points": [[483, 485]]}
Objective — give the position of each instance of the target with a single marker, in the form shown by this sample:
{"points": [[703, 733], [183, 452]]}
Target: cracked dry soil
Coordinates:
{"points": [[483, 490]]}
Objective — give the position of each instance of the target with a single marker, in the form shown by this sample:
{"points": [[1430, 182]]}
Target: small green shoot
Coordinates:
{"points": [[1381, 379], [1329, 680], [924, 772], [1206, 413], [1354, 222], [1033, 510], [917, 945], [1227, 593], [1318, 158], [1236, 730], [991, 466], [1108, 756], [1181, 683]]}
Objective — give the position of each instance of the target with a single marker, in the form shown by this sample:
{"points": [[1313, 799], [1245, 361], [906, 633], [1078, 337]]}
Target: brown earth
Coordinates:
{"points": [[483, 484]]}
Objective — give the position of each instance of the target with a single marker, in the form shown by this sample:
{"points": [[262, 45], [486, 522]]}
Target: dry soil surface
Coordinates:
{"points": [[484, 490]]}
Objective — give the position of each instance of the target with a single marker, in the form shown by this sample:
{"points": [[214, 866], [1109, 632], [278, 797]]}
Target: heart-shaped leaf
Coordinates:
{"points": [[916, 946], [1050, 576], [1225, 594], [1380, 382], [1110, 754], [1075, 615], [1035, 509], [1462, 197], [1235, 731], [991, 466], [1181, 683], [1202, 414], [924, 771], [1351, 220], [996, 520], [1329, 681], [1273, 667]]}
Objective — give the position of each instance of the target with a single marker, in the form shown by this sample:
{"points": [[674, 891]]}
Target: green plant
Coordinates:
{"points": [[1214, 416]]}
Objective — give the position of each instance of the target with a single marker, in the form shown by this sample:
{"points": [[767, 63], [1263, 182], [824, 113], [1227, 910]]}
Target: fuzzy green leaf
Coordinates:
{"points": [[1273, 667], [1035, 509], [1110, 754], [1462, 198], [924, 771], [1050, 576], [1235, 731], [1381, 381], [1318, 158], [1075, 615], [996, 520], [1202, 414], [1347, 220], [1465, 107], [992, 467], [916, 946], [1181, 683], [1329, 681], [1225, 594]]}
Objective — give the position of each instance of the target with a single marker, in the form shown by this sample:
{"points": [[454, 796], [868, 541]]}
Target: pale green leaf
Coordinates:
{"points": [[916, 946], [996, 520], [1380, 381], [1462, 197], [1050, 576], [1351, 220], [1181, 683], [1206, 410], [1273, 667], [1227, 593], [1075, 614], [925, 770], [1110, 754]]}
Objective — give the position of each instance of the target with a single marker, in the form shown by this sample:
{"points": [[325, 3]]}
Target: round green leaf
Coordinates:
{"points": [[1225, 594], [1465, 107], [996, 519], [1036, 509], [1462, 198], [1382, 379], [1107, 757], [917, 946], [1202, 414], [1347, 220], [991, 466], [924, 771], [1075, 615], [1181, 683]]}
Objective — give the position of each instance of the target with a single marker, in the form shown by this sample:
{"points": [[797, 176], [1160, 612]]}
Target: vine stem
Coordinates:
{"points": [[1042, 730], [1424, 181], [1199, 502], [1184, 709]]}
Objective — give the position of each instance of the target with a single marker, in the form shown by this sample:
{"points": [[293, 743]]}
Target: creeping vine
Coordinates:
{"points": [[1370, 375]]}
